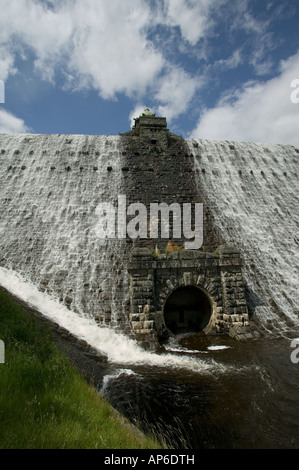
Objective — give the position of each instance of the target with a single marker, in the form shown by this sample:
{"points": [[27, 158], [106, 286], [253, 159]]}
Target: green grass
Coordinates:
{"points": [[44, 402]]}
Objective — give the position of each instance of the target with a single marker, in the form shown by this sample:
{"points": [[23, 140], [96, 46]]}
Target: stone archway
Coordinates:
{"points": [[187, 308], [215, 279]]}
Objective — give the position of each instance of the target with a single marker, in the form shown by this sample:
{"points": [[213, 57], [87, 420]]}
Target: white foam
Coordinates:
{"points": [[173, 345], [119, 348], [107, 378], [51, 186], [184, 350], [251, 190]]}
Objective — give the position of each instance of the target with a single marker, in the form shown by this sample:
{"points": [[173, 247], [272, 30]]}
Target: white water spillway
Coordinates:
{"points": [[51, 186], [252, 191], [118, 348]]}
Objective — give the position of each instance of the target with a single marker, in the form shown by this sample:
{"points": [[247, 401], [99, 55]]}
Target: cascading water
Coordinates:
{"points": [[252, 193], [51, 186], [203, 391], [118, 347], [199, 393]]}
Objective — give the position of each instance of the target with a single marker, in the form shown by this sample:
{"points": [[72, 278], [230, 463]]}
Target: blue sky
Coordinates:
{"points": [[216, 69]]}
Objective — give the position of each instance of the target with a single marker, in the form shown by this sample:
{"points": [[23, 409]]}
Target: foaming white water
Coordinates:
{"points": [[119, 348], [252, 193], [51, 187], [117, 373], [173, 345], [179, 349]]}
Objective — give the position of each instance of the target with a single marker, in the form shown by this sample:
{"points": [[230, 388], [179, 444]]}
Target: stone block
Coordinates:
{"points": [[145, 331], [238, 324], [137, 325]]}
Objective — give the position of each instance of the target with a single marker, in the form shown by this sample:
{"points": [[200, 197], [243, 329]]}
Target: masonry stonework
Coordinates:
{"points": [[159, 168], [218, 275], [123, 283]]}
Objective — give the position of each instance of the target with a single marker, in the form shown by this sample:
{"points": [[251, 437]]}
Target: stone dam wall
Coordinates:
{"points": [[51, 189]]}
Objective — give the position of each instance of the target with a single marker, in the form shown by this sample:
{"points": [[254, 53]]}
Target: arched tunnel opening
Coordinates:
{"points": [[187, 309]]}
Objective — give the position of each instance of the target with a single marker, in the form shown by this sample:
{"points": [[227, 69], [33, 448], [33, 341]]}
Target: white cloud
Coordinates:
{"points": [[192, 16], [111, 52], [110, 46], [6, 64], [258, 33], [10, 124], [231, 62], [261, 111], [175, 91], [100, 44]]}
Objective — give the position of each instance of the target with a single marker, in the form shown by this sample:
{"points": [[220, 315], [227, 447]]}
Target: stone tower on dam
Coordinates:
{"points": [[171, 288], [59, 193]]}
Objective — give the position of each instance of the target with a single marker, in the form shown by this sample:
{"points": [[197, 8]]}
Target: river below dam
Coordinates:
{"points": [[245, 397], [199, 392]]}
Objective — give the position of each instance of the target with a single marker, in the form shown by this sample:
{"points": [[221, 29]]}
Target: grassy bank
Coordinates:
{"points": [[44, 401]]}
